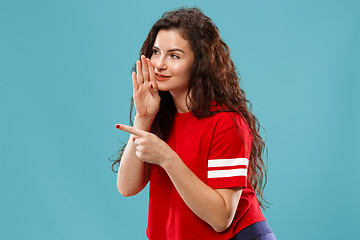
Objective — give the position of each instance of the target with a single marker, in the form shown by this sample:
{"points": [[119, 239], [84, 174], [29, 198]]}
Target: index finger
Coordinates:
{"points": [[152, 74], [131, 130], [144, 68]]}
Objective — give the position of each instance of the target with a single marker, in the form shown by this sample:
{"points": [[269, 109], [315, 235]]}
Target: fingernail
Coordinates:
{"points": [[117, 126], [134, 138]]}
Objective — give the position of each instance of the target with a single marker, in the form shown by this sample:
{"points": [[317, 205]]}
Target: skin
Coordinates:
{"points": [[217, 207], [173, 57]]}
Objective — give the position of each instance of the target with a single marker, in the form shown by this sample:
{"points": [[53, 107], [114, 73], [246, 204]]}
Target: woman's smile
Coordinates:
{"points": [[160, 77]]}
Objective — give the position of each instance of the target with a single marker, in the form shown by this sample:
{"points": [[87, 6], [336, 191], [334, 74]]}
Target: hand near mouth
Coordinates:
{"points": [[146, 96]]}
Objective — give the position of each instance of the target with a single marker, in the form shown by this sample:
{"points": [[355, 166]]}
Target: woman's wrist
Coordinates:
{"points": [[171, 162], [143, 123]]}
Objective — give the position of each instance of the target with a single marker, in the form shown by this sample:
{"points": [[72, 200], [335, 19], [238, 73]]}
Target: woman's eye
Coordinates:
{"points": [[174, 56], [155, 51]]}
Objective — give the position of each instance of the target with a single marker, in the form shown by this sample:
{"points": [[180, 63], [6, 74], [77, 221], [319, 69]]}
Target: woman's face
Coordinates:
{"points": [[173, 60]]}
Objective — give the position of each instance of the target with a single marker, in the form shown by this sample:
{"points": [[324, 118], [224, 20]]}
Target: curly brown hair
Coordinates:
{"points": [[213, 79]]}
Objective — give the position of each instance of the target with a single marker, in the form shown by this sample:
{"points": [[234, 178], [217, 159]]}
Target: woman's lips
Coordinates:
{"points": [[161, 77]]}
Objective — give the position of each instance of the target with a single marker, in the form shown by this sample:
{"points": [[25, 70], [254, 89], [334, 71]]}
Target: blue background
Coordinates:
{"points": [[65, 82]]}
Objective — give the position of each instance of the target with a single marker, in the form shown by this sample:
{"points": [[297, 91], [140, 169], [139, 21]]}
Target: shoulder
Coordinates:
{"points": [[224, 114], [225, 120]]}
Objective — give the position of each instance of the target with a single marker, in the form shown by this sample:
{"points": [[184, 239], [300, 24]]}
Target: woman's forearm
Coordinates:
{"points": [[217, 208], [133, 173]]}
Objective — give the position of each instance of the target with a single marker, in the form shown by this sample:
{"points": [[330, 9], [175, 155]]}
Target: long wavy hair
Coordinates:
{"points": [[213, 79]]}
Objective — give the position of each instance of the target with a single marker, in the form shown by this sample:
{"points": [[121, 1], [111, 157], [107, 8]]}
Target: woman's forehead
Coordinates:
{"points": [[170, 40]]}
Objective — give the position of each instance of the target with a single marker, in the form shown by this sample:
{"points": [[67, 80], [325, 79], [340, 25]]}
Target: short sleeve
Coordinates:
{"points": [[229, 154]]}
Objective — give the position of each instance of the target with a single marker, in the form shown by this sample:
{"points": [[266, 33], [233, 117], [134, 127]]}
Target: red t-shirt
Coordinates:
{"points": [[216, 149]]}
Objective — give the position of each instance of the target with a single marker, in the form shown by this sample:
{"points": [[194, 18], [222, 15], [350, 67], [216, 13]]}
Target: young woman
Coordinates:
{"points": [[193, 136]]}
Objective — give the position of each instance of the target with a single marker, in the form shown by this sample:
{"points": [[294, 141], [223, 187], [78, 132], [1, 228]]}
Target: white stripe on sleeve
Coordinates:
{"points": [[227, 173], [228, 162]]}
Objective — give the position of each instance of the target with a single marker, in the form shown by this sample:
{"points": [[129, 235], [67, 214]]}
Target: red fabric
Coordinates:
{"points": [[206, 146]]}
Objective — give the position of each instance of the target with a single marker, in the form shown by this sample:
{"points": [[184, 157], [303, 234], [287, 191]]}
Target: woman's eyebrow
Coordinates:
{"points": [[170, 50], [175, 49]]}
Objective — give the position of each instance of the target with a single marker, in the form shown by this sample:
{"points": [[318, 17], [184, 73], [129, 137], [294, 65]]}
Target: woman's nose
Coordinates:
{"points": [[159, 63]]}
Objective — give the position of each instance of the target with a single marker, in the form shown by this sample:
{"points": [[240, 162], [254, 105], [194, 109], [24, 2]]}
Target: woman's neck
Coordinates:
{"points": [[180, 102]]}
